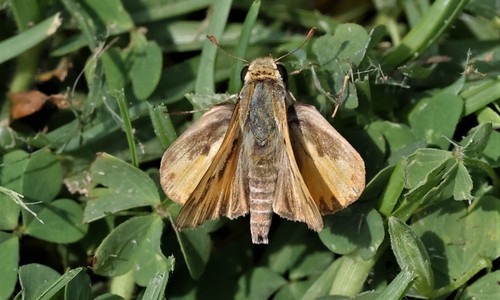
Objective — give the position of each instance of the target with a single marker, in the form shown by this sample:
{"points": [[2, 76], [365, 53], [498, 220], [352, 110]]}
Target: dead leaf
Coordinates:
{"points": [[23, 104]]}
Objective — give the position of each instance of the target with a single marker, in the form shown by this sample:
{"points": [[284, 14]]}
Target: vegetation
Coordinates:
{"points": [[91, 92]]}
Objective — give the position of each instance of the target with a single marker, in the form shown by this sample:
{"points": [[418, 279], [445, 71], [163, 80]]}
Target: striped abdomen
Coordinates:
{"points": [[262, 178]]}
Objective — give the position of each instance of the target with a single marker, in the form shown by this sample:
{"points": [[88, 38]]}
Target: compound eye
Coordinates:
{"points": [[243, 73], [283, 72]]}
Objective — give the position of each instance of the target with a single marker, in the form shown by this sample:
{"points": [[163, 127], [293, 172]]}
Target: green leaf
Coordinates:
{"points": [[162, 124], [391, 138], [460, 239], [61, 222], [429, 29], [485, 287], [146, 70], [11, 176], [151, 260], [9, 260], [488, 115], [243, 41], [114, 68], [340, 54], [463, 184], [411, 255], [358, 228], [122, 249], [475, 142], [59, 284], [398, 286], [16, 45], [79, 287], [346, 47], [260, 283], [427, 121], [124, 187], [35, 280], [421, 163], [156, 286], [491, 153], [43, 176], [195, 246]]}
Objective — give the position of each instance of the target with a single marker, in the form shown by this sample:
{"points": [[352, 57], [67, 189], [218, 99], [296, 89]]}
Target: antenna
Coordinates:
{"points": [[310, 34], [214, 41]]}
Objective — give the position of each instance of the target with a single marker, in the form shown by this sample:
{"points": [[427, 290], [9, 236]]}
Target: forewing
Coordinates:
{"points": [[293, 200], [187, 160], [214, 194], [332, 169]]}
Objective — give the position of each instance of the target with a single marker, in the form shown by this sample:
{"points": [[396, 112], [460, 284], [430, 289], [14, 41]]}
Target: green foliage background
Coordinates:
{"points": [[81, 212]]}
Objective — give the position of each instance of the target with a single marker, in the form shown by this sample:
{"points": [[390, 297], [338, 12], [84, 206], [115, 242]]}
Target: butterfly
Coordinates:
{"points": [[265, 154]]}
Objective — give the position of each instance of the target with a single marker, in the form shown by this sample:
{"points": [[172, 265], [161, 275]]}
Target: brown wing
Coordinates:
{"points": [[293, 200], [213, 194], [189, 157], [332, 169]]}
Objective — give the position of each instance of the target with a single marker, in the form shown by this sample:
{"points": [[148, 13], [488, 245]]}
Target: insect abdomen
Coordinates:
{"points": [[262, 184]]}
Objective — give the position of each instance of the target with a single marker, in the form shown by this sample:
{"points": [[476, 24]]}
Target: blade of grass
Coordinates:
{"points": [[430, 28], [168, 10], [205, 83], [127, 126], [16, 45], [479, 96], [246, 34], [162, 124]]}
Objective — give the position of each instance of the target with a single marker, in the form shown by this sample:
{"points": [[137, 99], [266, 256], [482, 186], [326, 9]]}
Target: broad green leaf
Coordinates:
{"points": [[460, 239], [313, 263], [293, 290], [59, 284], [491, 153], [151, 260], [340, 54], [421, 163], [427, 119], [35, 279], [124, 187], [156, 285], [43, 176], [354, 228], [62, 222], [475, 143], [79, 287], [347, 46], [260, 283], [282, 259], [114, 68], [108, 297], [463, 183], [485, 288], [146, 70], [195, 246], [390, 138], [412, 256], [9, 260], [11, 177], [122, 249]]}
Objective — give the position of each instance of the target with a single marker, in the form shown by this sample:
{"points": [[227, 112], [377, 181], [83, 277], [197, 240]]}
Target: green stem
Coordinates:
{"points": [[127, 124]]}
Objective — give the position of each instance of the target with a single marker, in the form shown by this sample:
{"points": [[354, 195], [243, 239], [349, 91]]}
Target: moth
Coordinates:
{"points": [[265, 154]]}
